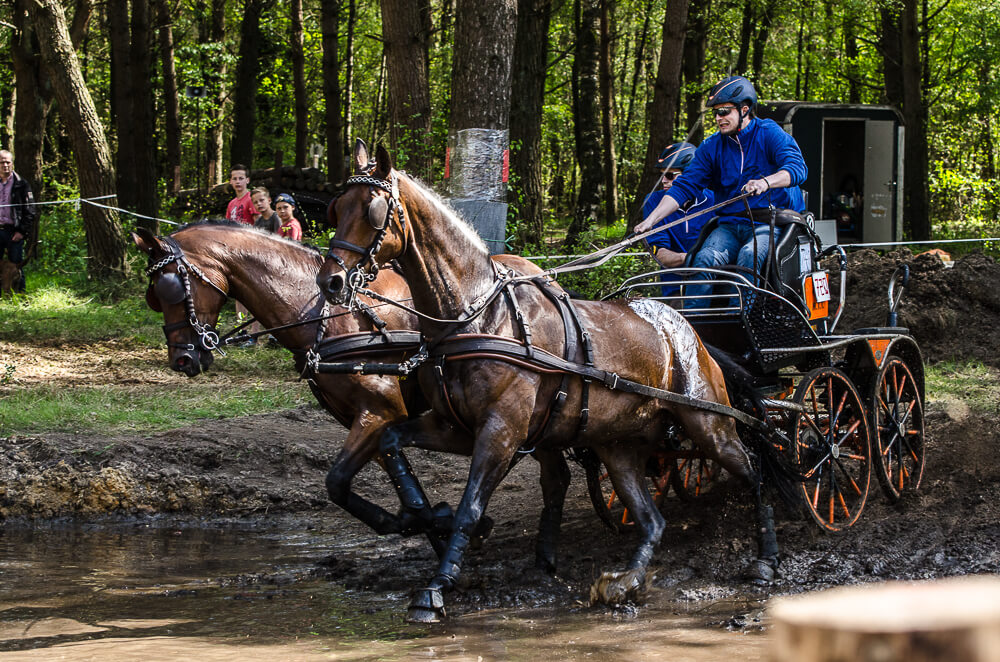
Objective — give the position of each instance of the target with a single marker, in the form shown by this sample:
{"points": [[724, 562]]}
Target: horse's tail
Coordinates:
{"points": [[773, 466]]}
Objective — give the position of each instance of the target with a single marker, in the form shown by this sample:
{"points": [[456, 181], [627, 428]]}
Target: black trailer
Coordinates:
{"points": [[854, 153]]}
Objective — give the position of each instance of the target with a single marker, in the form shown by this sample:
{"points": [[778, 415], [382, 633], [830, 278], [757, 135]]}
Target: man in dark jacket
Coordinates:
{"points": [[17, 213]]}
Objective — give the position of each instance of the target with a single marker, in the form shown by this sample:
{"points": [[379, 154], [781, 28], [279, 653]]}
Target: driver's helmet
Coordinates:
{"points": [[676, 156], [732, 89]]}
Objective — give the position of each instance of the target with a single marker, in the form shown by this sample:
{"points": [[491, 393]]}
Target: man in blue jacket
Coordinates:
{"points": [[746, 155], [670, 246]]}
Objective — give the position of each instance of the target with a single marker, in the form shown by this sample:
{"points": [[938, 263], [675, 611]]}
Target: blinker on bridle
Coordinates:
{"points": [[173, 288], [380, 212]]}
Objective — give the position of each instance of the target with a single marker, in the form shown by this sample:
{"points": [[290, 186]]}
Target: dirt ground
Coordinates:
{"points": [[275, 463]]}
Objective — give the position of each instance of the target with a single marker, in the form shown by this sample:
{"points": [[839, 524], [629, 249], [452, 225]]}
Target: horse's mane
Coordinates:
{"points": [[448, 211], [226, 223]]}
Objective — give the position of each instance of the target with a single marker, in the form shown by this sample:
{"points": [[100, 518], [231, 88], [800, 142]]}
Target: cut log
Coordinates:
{"points": [[957, 620]]}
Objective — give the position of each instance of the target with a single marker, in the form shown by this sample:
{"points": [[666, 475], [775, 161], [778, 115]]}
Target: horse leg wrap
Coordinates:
{"points": [[451, 562], [407, 486], [443, 517], [768, 536]]}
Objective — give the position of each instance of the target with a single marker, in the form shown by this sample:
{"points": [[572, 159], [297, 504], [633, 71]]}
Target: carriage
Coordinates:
{"points": [[842, 406]]}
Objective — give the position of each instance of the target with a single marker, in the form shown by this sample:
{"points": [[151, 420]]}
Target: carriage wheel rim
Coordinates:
{"points": [[832, 438]]}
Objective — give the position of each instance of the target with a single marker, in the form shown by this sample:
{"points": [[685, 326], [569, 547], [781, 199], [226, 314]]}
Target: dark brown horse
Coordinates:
{"points": [[504, 403]]}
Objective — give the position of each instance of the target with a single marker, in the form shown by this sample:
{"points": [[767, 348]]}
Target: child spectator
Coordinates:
{"points": [[240, 208], [268, 219], [284, 204]]}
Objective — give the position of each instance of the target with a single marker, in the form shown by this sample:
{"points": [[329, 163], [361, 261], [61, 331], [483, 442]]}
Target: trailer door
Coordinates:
{"points": [[880, 182]]}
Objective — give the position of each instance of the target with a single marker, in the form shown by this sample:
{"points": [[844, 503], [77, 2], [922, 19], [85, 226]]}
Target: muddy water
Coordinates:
{"points": [[170, 591]]}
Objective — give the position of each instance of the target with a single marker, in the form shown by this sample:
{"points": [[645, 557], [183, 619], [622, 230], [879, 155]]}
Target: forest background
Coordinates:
{"points": [[143, 99]]}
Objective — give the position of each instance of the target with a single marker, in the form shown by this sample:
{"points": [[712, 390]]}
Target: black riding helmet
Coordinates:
{"points": [[676, 156]]}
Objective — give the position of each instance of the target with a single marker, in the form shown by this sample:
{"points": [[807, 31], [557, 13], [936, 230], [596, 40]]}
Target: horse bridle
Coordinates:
{"points": [[380, 212], [172, 288]]}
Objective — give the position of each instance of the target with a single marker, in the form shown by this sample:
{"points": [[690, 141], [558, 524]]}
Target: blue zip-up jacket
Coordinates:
{"points": [[682, 236], [723, 164]]}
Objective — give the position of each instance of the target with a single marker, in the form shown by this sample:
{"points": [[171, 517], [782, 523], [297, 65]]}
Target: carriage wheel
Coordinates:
{"points": [[831, 441], [609, 507], [899, 429], [693, 473]]}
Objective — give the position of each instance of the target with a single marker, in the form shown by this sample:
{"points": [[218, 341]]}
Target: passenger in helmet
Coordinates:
{"points": [[747, 155], [670, 246]]}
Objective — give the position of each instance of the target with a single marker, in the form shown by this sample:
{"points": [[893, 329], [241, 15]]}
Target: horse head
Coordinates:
{"points": [[370, 222], [189, 301]]}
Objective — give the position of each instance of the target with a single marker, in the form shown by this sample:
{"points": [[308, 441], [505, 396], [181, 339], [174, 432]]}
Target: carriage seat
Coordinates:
{"points": [[794, 231]]}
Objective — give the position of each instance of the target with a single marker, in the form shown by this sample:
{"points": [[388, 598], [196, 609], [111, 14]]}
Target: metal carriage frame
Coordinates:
{"points": [[842, 406]]}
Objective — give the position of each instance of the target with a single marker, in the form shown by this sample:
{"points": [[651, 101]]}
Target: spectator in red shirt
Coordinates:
{"points": [[241, 209], [284, 204]]}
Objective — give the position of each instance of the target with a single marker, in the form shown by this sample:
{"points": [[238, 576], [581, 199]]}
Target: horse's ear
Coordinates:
{"points": [[147, 242], [383, 163], [360, 157]]}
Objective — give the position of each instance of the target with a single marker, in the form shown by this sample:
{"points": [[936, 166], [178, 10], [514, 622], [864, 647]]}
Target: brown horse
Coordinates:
{"points": [[196, 268], [504, 403], [192, 273]]}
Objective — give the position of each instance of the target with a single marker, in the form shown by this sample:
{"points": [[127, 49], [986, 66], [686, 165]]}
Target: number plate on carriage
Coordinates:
{"points": [[821, 286]]}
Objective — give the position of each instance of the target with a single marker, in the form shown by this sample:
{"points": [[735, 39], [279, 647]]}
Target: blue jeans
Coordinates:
{"points": [[729, 243]]}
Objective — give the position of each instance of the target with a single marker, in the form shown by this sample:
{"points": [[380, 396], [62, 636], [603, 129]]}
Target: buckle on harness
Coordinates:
{"points": [[611, 383]]}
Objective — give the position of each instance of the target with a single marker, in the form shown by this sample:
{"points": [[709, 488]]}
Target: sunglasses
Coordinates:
{"points": [[722, 112], [669, 176]]}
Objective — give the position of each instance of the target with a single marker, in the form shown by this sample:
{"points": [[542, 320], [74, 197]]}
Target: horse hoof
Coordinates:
{"points": [[760, 572], [427, 606], [615, 588]]}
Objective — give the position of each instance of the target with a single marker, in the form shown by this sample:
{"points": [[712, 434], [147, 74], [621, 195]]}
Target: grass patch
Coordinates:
{"points": [[973, 383], [65, 311], [145, 408]]}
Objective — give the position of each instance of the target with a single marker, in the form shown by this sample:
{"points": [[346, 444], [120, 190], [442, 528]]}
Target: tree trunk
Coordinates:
{"points": [[106, 241], [122, 115], [639, 67], [247, 80], [406, 32], [217, 73], [746, 34], [478, 130], [348, 93], [171, 104], [915, 162], [299, 82], [33, 91], [695, 41], [760, 40], [480, 73], [851, 69], [608, 117], [144, 135], [531, 47], [666, 94], [587, 119], [330, 25]]}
